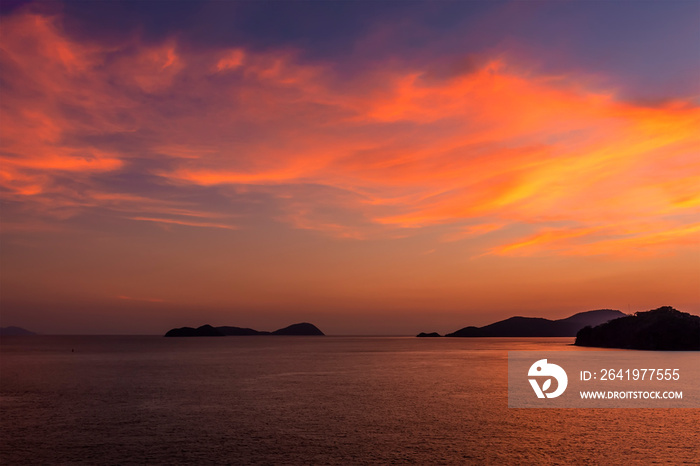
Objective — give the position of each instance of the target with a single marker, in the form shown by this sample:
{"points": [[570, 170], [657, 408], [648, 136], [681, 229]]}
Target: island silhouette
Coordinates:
{"points": [[301, 329], [15, 331], [536, 326], [662, 329]]}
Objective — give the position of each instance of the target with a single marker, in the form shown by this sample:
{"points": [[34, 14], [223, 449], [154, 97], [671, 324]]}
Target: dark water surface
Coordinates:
{"points": [[302, 400]]}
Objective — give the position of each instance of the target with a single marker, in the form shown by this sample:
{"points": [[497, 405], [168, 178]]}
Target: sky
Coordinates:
{"points": [[372, 167]]}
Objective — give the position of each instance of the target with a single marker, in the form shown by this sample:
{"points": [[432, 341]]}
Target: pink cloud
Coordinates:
{"points": [[396, 151]]}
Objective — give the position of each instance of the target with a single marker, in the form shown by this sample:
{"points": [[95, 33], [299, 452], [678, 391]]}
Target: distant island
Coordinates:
{"points": [[302, 329], [14, 331], [536, 326], [662, 329]]}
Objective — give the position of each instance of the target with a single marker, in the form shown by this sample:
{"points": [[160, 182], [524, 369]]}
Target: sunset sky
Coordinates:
{"points": [[370, 167]]}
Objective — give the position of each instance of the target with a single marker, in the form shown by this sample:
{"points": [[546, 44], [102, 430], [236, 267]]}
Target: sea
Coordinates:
{"points": [[305, 400]]}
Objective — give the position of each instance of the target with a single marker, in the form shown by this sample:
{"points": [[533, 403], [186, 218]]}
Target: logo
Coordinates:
{"points": [[542, 368]]}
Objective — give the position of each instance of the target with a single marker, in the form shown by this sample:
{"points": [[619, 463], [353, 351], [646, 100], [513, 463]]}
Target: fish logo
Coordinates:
{"points": [[542, 368]]}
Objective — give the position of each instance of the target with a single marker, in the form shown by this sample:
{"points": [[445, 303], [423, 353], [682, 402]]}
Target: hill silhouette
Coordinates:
{"points": [[301, 329], [15, 331], [539, 327], [203, 331], [240, 331], [662, 329]]}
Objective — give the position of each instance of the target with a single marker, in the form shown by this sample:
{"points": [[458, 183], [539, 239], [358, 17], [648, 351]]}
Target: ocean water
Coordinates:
{"points": [[305, 400]]}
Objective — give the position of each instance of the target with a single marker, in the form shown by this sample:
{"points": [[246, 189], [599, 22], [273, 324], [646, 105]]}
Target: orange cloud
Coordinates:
{"points": [[625, 239], [383, 155], [472, 231]]}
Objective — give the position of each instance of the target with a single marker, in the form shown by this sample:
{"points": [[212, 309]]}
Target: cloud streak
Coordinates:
{"points": [[387, 153]]}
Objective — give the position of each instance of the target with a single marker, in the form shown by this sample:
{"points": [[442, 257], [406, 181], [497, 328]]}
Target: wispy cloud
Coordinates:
{"points": [[119, 127], [170, 221]]}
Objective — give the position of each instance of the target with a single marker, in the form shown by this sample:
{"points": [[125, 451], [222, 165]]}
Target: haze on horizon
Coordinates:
{"points": [[370, 167]]}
